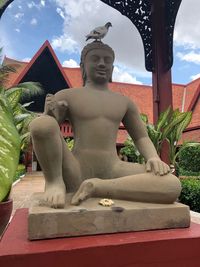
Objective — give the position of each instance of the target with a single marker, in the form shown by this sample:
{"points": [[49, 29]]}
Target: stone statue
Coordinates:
{"points": [[93, 168]]}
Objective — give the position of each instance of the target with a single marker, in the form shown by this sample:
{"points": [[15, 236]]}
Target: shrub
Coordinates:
{"points": [[189, 159], [131, 152], [190, 194]]}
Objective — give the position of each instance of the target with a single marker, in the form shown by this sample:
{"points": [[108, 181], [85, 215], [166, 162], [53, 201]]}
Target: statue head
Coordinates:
{"points": [[90, 47]]}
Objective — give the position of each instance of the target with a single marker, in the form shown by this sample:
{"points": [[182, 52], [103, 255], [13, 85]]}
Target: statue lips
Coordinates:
{"points": [[101, 71]]}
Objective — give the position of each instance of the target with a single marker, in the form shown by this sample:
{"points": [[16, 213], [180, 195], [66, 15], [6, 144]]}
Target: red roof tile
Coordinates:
{"points": [[18, 65]]}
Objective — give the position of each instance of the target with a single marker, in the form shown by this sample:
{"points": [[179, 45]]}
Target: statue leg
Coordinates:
{"points": [[139, 186], [61, 169]]}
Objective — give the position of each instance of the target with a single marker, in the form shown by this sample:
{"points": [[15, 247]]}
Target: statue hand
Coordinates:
{"points": [[157, 166], [55, 108]]}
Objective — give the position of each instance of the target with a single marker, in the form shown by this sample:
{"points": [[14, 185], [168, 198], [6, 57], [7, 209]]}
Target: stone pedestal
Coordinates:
{"points": [[166, 248], [90, 218]]}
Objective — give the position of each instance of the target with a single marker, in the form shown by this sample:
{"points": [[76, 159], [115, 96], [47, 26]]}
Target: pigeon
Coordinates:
{"points": [[99, 32]]}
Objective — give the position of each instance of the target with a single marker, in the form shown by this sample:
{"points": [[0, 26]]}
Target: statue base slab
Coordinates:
{"points": [[90, 218]]}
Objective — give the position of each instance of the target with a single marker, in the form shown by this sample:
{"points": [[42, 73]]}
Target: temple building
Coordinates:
{"points": [[45, 68]]}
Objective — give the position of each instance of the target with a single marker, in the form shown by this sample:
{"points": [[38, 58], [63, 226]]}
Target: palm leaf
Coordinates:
{"points": [[144, 118], [170, 127], [20, 118], [163, 119], [28, 89], [182, 126]]}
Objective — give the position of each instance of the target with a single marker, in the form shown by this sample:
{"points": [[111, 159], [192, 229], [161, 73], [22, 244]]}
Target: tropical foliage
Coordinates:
{"points": [[190, 194], [189, 159], [3, 5], [14, 120], [70, 143], [169, 127]]}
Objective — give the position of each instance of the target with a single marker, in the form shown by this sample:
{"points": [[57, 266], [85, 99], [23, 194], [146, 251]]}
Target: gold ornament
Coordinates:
{"points": [[106, 202]]}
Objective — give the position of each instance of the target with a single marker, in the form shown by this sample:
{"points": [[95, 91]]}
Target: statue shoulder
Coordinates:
{"points": [[66, 94]]}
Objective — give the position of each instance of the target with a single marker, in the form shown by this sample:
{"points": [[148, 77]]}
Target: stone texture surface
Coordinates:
{"points": [[91, 218]]}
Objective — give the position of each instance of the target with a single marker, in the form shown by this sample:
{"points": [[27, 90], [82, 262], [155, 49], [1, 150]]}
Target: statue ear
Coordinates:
{"points": [[110, 80], [84, 77]]}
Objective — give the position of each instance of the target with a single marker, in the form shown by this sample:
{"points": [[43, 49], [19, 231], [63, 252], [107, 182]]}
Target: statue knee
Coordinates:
{"points": [[43, 127], [172, 188]]}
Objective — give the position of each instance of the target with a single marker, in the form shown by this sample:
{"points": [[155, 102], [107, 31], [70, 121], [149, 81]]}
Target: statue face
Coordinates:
{"points": [[98, 65]]}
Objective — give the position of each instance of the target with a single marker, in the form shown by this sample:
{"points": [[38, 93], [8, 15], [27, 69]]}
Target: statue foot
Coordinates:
{"points": [[55, 195], [86, 190]]}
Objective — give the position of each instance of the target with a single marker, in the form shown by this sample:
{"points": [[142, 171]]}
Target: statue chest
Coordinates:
{"points": [[87, 108]]}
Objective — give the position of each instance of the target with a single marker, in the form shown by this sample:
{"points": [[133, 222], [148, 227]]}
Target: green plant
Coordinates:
{"points": [[70, 143], [9, 148], [21, 170], [189, 159], [3, 5], [190, 194], [14, 119], [169, 127], [131, 151]]}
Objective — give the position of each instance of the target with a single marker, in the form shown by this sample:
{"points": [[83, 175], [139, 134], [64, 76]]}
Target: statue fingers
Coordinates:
{"points": [[148, 166], [156, 167], [161, 168], [166, 169]]}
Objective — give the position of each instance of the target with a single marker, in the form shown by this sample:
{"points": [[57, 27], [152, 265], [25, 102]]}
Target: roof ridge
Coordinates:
{"points": [[16, 60], [193, 81]]}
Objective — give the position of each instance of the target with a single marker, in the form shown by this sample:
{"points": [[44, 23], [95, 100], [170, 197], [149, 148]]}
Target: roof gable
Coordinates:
{"points": [[45, 49]]}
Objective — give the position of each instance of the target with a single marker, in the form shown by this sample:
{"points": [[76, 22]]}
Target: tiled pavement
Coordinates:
{"points": [[34, 182], [23, 189]]}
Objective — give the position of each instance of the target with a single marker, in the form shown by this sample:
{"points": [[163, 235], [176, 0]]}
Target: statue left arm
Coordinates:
{"points": [[137, 130]]}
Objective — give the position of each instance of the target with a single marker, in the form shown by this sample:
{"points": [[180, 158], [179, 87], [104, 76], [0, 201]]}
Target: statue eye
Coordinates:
{"points": [[108, 60], [94, 58]]}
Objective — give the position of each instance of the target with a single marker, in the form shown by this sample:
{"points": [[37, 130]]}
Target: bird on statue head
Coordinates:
{"points": [[99, 32]]}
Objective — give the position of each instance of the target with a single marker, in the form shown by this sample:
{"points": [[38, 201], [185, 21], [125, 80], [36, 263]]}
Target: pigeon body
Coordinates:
{"points": [[99, 32]]}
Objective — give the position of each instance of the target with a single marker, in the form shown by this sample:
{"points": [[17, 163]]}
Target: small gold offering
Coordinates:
{"points": [[106, 202]]}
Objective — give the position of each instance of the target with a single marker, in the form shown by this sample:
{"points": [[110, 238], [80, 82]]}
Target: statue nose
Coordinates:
{"points": [[101, 63]]}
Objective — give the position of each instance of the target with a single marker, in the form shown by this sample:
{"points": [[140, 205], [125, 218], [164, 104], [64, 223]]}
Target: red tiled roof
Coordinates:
{"points": [[74, 76], [121, 136], [19, 66], [193, 135]]}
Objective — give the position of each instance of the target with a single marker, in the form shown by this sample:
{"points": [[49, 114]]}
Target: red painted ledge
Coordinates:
{"points": [[160, 248]]}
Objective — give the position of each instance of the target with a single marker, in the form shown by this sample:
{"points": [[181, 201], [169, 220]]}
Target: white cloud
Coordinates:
{"points": [[70, 63], [194, 77], [60, 12], [6, 43], [18, 16], [120, 75], [42, 2], [20, 7], [38, 6], [192, 57], [26, 59], [188, 24], [65, 44], [30, 4], [33, 21], [80, 17], [17, 30]]}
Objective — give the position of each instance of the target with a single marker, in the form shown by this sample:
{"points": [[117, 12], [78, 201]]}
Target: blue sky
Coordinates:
{"points": [[25, 26]]}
